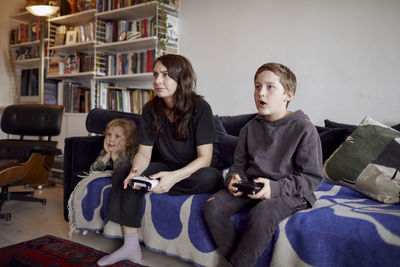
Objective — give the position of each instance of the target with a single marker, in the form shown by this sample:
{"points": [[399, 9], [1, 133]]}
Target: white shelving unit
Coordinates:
{"points": [[74, 123]]}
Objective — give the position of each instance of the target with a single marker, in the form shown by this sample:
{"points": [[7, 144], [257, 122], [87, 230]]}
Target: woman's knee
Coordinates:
{"points": [[210, 175], [120, 173], [155, 167]]}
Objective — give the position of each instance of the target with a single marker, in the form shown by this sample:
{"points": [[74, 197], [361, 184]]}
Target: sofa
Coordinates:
{"points": [[344, 228]]}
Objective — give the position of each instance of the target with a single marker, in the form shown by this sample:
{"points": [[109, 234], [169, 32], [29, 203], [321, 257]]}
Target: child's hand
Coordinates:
{"points": [[105, 146], [233, 190], [265, 192], [107, 156], [118, 150]]}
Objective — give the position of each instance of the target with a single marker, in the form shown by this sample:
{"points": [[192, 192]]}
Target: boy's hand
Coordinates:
{"points": [[265, 192], [233, 190]]}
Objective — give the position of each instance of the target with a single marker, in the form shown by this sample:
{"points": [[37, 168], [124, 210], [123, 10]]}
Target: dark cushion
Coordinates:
{"points": [[97, 119], [321, 129], [396, 127], [32, 119], [332, 124], [368, 161], [219, 127], [233, 124], [22, 149], [331, 139], [226, 146]]}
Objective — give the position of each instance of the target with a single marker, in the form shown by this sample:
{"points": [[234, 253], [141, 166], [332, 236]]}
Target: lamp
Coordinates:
{"points": [[41, 9]]}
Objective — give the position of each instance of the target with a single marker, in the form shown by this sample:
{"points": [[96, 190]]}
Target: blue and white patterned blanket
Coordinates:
{"points": [[344, 228]]}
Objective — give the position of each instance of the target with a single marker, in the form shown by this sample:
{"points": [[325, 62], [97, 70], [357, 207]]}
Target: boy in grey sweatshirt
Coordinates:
{"points": [[281, 151]]}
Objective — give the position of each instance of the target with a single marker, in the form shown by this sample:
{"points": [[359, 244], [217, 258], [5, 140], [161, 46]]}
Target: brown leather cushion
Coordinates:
{"points": [[6, 163]]}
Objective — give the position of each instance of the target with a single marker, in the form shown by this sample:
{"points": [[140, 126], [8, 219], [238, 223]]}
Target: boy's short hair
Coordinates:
{"points": [[129, 130], [286, 76]]}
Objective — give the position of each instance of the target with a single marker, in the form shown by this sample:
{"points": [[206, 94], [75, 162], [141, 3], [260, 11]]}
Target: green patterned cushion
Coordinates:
{"points": [[368, 161]]}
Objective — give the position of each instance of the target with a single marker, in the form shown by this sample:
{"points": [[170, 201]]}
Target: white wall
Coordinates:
{"points": [[345, 54], [7, 83]]}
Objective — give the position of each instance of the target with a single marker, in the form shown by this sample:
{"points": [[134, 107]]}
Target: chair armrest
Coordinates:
{"points": [[79, 154], [47, 150]]}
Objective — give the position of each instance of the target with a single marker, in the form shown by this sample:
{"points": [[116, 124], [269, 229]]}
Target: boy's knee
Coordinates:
{"points": [[211, 208], [210, 198]]}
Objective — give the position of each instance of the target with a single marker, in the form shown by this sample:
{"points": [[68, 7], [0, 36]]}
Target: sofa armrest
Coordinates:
{"points": [[79, 154]]}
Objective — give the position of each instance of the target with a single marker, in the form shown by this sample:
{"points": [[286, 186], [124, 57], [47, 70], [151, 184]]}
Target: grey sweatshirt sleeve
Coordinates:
{"points": [[241, 158], [307, 175]]}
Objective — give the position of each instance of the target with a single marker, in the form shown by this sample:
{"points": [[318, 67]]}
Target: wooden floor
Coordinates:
{"points": [[30, 220]]}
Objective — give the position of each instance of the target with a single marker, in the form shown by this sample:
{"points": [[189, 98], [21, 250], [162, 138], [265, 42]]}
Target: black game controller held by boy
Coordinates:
{"points": [[248, 187]]}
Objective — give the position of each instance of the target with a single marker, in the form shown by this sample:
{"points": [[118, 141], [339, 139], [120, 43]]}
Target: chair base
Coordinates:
{"points": [[6, 216], [5, 195], [49, 183]]}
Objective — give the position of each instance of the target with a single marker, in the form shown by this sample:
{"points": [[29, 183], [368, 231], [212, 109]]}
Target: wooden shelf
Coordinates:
{"points": [[29, 44], [75, 19], [24, 17], [29, 63], [129, 45], [89, 74], [127, 77], [83, 46], [135, 11]]}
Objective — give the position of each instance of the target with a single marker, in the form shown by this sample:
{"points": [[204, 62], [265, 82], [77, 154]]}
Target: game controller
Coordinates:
{"points": [[249, 187], [143, 181]]}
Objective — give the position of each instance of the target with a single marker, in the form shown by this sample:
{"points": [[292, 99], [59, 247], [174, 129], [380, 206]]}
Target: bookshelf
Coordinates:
{"points": [[89, 65], [114, 57], [25, 55]]}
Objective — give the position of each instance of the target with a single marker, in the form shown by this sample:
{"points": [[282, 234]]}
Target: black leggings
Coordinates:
{"points": [[125, 205]]}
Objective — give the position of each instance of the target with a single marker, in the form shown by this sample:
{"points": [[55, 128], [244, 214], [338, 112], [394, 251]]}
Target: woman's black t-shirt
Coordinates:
{"points": [[180, 152]]}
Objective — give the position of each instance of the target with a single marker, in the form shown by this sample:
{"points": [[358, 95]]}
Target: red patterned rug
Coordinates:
{"points": [[52, 251]]}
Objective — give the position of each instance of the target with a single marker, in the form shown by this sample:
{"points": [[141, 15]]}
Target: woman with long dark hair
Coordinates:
{"points": [[180, 123]]}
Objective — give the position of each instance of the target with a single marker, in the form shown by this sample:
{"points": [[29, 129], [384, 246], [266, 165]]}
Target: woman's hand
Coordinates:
{"points": [[265, 192], [233, 190], [133, 173], [167, 181]]}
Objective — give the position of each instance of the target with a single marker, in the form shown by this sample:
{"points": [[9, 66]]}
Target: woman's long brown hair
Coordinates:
{"points": [[180, 69]]}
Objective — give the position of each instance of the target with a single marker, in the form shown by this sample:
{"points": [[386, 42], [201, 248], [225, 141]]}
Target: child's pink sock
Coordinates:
{"points": [[130, 250]]}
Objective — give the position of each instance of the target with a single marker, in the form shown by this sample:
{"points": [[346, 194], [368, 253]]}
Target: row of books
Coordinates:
{"points": [[72, 64], [24, 33], [130, 63], [76, 98], [106, 5], [108, 96], [24, 53], [77, 34], [121, 30], [128, 100]]}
